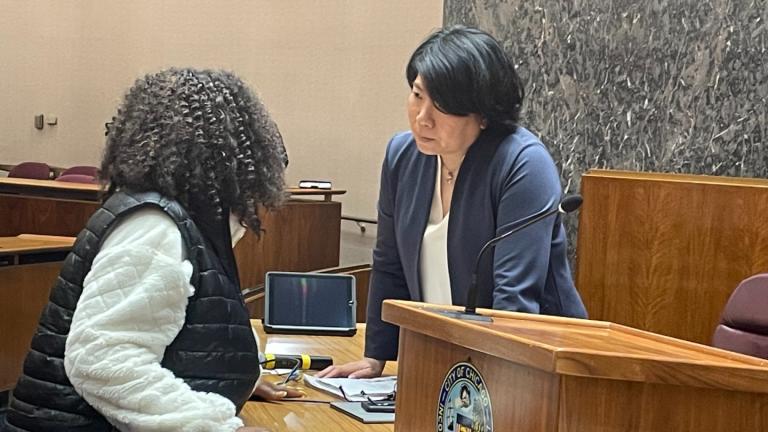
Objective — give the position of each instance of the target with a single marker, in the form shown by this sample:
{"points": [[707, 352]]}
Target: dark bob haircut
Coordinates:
{"points": [[466, 71], [200, 137]]}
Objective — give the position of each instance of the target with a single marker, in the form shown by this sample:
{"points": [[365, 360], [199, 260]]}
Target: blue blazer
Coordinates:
{"points": [[503, 179]]}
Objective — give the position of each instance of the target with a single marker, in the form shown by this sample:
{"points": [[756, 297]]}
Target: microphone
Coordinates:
{"points": [[568, 204], [289, 361]]}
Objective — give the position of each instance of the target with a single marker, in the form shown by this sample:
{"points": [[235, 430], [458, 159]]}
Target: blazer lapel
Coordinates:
{"points": [[416, 204], [472, 217]]}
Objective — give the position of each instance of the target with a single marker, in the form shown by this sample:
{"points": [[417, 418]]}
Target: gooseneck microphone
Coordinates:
{"points": [[568, 204], [289, 361]]}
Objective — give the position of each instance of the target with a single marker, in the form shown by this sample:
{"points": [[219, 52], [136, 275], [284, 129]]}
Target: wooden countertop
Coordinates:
{"points": [[297, 416], [34, 243], [587, 348], [673, 177], [90, 192]]}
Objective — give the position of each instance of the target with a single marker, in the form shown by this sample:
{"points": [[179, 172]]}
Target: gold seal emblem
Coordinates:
{"points": [[464, 404]]}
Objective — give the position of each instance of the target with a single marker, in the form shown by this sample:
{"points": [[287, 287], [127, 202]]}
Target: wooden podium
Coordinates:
{"points": [[560, 374]]}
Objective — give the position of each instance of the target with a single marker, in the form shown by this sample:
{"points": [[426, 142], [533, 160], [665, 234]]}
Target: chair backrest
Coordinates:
{"points": [[31, 170], [76, 178], [743, 324], [81, 169]]}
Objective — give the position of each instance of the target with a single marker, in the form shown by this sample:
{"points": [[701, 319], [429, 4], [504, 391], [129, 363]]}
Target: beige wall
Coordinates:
{"points": [[330, 71]]}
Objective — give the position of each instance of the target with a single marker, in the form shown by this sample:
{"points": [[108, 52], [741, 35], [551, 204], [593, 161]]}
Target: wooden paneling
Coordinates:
{"points": [[663, 252], [27, 214], [24, 290], [254, 302], [607, 405], [570, 375], [29, 265], [298, 416], [362, 283], [302, 235]]}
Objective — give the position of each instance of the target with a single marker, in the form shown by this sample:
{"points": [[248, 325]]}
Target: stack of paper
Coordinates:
{"points": [[357, 390]]}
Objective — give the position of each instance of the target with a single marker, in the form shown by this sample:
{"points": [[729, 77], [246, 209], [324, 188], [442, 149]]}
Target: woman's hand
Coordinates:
{"points": [[365, 368], [271, 391]]}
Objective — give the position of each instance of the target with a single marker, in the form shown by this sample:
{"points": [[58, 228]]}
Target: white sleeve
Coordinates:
{"points": [[132, 307]]}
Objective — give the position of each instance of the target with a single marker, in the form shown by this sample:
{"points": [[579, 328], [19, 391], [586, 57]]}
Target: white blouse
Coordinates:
{"points": [[433, 261], [132, 307]]}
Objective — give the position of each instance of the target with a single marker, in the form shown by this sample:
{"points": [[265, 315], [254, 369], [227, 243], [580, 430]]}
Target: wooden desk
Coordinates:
{"points": [[302, 235], [303, 416], [50, 189], [45, 206], [29, 265], [28, 243]]}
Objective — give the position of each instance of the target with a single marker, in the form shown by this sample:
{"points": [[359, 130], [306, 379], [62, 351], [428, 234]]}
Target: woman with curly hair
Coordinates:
{"points": [[146, 328]]}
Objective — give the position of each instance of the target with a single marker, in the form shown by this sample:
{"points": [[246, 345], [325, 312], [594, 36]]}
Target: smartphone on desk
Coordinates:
{"points": [[379, 406]]}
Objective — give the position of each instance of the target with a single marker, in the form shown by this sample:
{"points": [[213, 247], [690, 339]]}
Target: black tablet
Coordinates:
{"points": [[310, 303]]}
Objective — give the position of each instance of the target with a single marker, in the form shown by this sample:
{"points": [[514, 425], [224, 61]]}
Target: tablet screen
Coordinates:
{"points": [[315, 300]]}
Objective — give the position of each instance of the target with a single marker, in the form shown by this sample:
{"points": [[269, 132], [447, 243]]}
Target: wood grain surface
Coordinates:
{"points": [[34, 243], [24, 291], [304, 234], [298, 416], [561, 374], [663, 252]]}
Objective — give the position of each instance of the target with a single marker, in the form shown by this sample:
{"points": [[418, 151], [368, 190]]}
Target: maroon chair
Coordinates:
{"points": [[81, 169], [743, 325], [31, 170], [76, 178]]}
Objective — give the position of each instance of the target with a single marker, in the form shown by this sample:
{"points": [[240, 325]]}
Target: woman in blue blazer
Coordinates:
{"points": [[465, 173]]}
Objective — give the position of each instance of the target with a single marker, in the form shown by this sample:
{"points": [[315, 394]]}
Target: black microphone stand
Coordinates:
{"points": [[568, 204]]}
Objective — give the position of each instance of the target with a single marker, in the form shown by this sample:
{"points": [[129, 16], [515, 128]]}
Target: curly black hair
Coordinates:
{"points": [[200, 137]]}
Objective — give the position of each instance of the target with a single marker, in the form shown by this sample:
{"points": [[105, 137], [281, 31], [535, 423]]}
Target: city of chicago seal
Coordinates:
{"points": [[464, 404]]}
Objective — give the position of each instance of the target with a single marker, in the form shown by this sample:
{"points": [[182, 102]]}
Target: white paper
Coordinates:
{"points": [[355, 389]]}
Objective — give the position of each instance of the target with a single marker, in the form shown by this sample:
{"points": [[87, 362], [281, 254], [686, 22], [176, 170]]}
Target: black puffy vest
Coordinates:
{"points": [[215, 351]]}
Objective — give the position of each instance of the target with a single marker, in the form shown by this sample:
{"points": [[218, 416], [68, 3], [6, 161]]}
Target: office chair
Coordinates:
{"points": [[31, 170], [743, 324]]}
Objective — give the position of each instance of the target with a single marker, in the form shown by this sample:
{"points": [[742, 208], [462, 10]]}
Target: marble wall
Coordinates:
{"points": [[648, 85]]}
